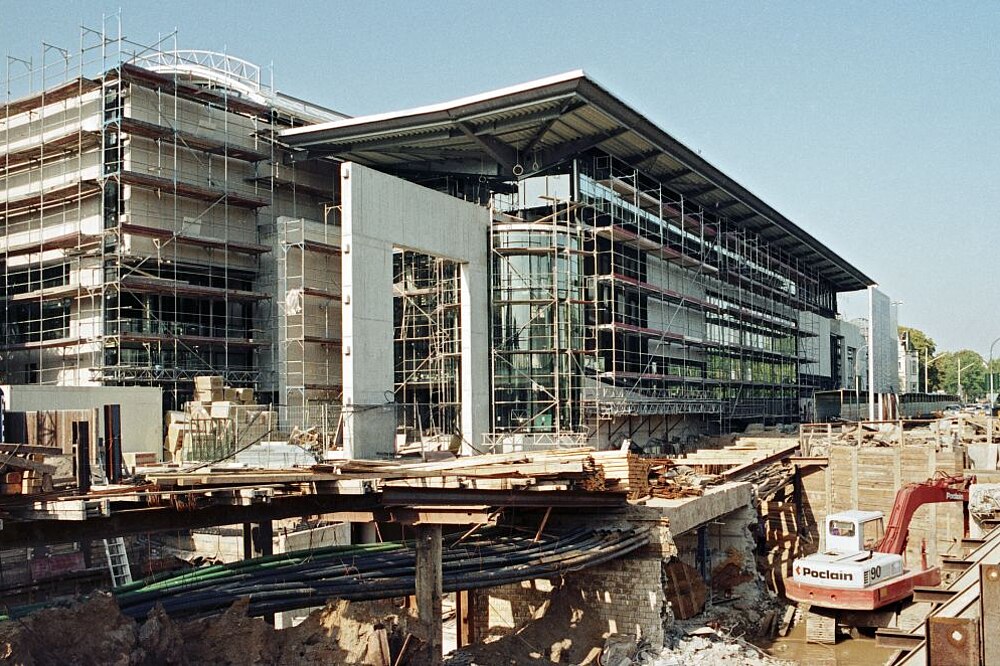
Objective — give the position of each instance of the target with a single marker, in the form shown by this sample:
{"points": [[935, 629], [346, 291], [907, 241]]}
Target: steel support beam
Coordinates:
{"points": [[989, 611], [953, 640], [401, 496], [497, 149], [897, 639], [140, 521], [932, 595]]}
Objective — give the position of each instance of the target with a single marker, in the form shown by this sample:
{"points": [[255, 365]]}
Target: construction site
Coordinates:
{"points": [[517, 378]]}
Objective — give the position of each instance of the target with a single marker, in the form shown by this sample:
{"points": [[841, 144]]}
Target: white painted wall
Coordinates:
{"points": [[142, 408], [382, 212]]}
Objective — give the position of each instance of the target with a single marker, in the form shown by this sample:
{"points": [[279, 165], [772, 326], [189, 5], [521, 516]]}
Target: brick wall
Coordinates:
{"points": [[624, 595]]}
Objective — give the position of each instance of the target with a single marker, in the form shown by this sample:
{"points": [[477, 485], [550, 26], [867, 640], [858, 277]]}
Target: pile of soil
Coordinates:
{"points": [[95, 632], [563, 631], [88, 633]]}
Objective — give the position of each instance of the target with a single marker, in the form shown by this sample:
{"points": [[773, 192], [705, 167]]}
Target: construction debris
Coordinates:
{"points": [[94, 632], [711, 646], [817, 438]]}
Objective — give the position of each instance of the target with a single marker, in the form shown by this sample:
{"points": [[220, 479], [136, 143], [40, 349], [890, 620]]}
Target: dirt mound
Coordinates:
{"points": [[94, 632], [563, 631], [347, 633]]}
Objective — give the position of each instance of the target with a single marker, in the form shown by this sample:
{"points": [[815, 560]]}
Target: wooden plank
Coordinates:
{"points": [[26, 448], [21, 463], [429, 589]]}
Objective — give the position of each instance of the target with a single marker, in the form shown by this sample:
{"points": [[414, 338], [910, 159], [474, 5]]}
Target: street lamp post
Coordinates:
{"points": [[960, 375], [993, 400], [927, 386]]}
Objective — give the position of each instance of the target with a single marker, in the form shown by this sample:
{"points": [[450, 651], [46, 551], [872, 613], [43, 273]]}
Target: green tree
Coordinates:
{"points": [[974, 376], [926, 348]]}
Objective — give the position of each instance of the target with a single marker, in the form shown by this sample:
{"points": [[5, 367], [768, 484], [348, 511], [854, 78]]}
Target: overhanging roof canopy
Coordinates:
{"points": [[528, 128]]}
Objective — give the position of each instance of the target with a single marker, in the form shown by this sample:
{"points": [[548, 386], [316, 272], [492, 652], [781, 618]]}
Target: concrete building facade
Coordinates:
{"points": [[538, 265]]}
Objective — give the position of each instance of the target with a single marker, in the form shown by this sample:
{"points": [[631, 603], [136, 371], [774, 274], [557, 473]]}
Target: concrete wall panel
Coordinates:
{"points": [[380, 213]]}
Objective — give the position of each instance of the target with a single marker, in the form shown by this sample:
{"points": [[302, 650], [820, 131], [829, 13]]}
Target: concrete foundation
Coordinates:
{"points": [[628, 595]]}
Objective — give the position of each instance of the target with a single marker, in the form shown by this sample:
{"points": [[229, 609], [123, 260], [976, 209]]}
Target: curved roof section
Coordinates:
{"points": [[233, 75], [530, 127]]}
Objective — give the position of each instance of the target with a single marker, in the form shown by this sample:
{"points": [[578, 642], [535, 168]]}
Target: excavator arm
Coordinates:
{"points": [[940, 488]]}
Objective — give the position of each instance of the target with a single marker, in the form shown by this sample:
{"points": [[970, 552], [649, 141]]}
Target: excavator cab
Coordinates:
{"points": [[850, 532]]}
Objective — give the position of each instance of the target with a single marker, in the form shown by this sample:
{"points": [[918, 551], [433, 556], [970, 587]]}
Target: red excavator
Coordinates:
{"points": [[861, 572]]}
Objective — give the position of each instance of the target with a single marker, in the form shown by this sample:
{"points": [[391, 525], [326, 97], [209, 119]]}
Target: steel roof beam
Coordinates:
{"points": [[494, 147], [555, 156]]}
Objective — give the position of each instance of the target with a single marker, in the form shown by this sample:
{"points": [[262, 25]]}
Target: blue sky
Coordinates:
{"points": [[874, 126]]}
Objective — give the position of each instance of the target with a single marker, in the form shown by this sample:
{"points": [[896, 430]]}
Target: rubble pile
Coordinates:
{"points": [[668, 480], [710, 647], [961, 429], [95, 632], [563, 631]]}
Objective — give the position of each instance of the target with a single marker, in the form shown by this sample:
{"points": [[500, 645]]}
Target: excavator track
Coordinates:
{"points": [[821, 625]]}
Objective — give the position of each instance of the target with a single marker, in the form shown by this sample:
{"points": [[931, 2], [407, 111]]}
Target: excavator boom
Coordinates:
{"points": [[940, 488]]}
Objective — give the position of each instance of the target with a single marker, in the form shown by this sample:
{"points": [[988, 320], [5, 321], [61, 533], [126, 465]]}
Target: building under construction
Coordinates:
{"points": [[149, 220], [547, 265], [634, 289]]}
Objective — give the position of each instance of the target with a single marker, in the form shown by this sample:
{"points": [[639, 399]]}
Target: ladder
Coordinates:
{"points": [[121, 574]]}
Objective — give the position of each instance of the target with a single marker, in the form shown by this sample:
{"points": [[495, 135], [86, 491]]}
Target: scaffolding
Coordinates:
{"points": [[619, 300], [309, 310], [138, 184], [428, 344], [543, 348]]}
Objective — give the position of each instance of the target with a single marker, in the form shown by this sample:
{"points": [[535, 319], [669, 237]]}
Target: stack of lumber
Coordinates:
{"points": [[550, 469], [210, 388], [22, 470], [625, 471], [563, 469], [668, 481]]}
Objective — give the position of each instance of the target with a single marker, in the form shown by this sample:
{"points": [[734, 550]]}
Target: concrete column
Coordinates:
{"points": [[475, 349], [429, 589], [258, 539]]}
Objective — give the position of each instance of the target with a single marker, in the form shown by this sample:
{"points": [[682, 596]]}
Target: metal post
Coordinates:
{"points": [[871, 354], [953, 640], [962, 400], [993, 400], [989, 610]]}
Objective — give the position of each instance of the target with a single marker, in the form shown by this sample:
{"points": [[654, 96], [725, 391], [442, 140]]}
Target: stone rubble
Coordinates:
{"points": [[711, 648]]}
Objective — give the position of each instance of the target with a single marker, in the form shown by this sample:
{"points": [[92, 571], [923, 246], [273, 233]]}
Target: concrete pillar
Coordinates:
{"points": [[429, 589], [258, 539]]}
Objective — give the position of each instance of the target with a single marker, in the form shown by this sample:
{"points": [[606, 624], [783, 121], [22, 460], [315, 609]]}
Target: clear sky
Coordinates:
{"points": [[875, 126]]}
